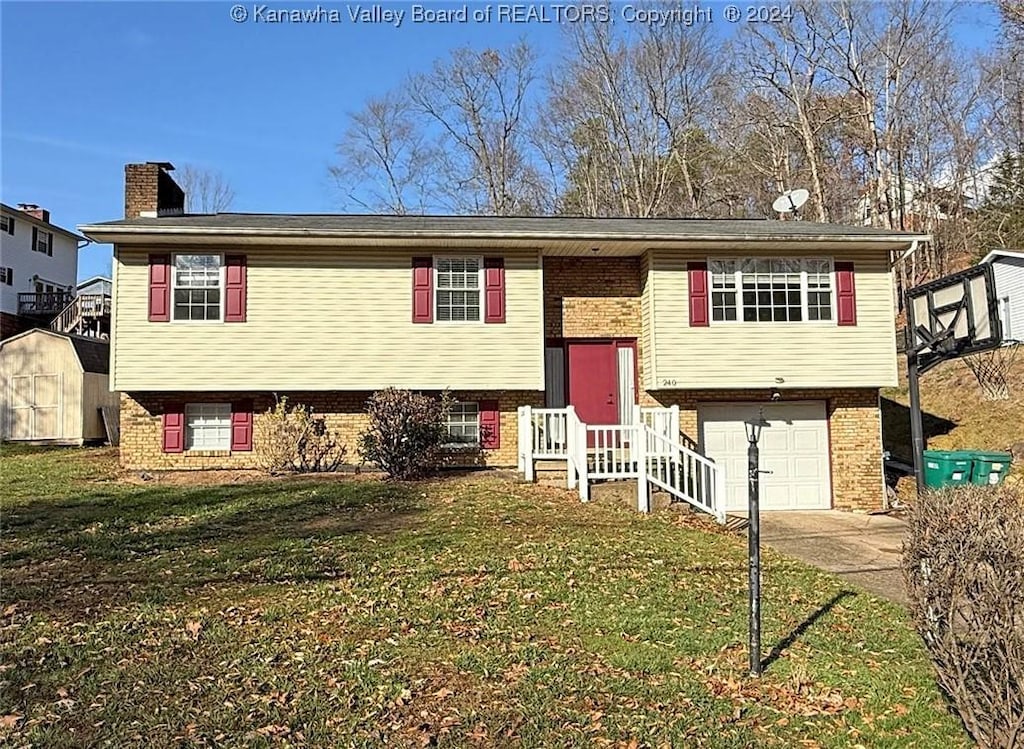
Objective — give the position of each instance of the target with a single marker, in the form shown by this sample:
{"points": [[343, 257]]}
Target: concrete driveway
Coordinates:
{"points": [[864, 549]]}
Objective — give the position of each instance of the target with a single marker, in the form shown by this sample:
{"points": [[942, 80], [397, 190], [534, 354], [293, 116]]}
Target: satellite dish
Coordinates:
{"points": [[791, 200]]}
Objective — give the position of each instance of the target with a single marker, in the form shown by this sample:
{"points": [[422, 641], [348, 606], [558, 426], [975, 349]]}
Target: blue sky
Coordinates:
{"points": [[87, 87]]}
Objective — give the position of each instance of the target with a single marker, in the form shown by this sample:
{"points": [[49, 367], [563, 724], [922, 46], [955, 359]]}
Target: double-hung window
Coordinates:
{"points": [[44, 242], [7, 224], [208, 426], [771, 289], [457, 291], [198, 287], [464, 424]]}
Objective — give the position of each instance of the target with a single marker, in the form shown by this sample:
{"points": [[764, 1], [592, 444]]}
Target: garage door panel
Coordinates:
{"points": [[794, 448]]}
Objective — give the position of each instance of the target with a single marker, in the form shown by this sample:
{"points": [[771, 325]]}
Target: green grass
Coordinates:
{"points": [[345, 612]]}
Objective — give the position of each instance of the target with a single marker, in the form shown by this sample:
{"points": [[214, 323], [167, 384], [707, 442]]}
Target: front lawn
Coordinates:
{"points": [[346, 612]]}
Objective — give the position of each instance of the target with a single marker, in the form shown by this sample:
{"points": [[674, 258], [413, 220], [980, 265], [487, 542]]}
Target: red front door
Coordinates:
{"points": [[593, 382]]}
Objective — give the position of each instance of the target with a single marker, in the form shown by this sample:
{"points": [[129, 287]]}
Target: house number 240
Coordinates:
{"points": [[668, 383]]}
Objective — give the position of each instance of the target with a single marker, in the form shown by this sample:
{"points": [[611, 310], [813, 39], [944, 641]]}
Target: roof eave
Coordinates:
{"points": [[122, 234]]}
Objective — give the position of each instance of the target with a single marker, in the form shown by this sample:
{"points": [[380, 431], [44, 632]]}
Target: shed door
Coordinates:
{"points": [[21, 407], [794, 448], [35, 407]]}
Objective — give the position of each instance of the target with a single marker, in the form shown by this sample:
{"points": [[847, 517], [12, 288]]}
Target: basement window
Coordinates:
{"points": [[463, 425], [208, 426]]}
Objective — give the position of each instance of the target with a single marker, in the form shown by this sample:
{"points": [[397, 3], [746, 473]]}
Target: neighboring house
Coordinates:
{"points": [[52, 388], [95, 285], [38, 268], [1008, 269], [215, 315]]}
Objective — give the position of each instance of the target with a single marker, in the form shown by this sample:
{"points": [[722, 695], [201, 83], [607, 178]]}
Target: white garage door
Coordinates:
{"points": [[794, 448]]}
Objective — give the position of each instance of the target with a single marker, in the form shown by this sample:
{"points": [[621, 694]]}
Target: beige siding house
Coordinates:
{"points": [[691, 324]]}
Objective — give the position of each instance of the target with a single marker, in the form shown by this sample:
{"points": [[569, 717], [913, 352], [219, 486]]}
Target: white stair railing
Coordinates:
{"points": [[647, 450]]}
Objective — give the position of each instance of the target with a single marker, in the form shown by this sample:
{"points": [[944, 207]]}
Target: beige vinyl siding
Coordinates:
{"points": [[800, 354], [328, 319], [647, 321]]}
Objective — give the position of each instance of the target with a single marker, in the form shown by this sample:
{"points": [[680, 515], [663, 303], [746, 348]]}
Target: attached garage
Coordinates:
{"points": [[53, 387], [795, 449]]}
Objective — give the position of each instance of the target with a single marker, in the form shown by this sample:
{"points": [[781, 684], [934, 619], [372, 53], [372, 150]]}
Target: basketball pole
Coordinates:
{"points": [[916, 423]]}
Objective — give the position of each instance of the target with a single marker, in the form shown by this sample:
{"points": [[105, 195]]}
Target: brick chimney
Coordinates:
{"points": [[150, 191], [35, 211]]}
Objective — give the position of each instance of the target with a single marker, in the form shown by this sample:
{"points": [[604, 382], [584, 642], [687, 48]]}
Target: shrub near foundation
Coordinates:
{"points": [[406, 432], [293, 440], [963, 561]]}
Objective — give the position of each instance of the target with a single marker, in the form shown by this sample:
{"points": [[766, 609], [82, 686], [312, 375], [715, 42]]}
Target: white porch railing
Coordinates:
{"points": [[647, 450]]}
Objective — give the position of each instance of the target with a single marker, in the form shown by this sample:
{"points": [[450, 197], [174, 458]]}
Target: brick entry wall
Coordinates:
{"points": [[592, 297], [855, 435], [345, 414]]}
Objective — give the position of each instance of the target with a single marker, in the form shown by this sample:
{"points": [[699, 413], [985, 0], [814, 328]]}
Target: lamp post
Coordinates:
{"points": [[753, 428]]}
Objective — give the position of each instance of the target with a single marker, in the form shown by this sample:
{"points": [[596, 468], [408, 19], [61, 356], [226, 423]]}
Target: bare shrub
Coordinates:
{"points": [[963, 562], [292, 439], [406, 432]]}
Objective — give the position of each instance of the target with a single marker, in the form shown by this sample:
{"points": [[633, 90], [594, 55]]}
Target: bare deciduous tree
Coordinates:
{"points": [[206, 191], [386, 157]]}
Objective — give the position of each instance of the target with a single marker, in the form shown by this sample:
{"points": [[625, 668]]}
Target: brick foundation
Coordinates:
{"points": [[344, 412]]}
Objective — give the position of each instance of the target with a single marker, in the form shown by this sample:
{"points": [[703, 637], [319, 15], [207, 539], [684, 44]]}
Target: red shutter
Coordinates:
{"points": [[494, 289], [698, 273], [159, 288], [422, 290], [234, 288], [490, 425], [846, 294], [241, 425], [174, 428]]}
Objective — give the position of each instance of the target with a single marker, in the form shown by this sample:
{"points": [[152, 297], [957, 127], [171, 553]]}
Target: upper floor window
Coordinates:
{"points": [[42, 241], [197, 292], [7, 224], [771, 289], [464, 424], [457, 291], [6, 276]]}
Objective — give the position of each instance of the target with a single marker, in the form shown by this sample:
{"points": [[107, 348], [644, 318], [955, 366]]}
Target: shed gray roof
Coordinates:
{"points": [[548, 227], [93, 354]]}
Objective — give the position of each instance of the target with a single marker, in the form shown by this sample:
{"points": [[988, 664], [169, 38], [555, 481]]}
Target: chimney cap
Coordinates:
{"points": [[27, 206], [165, 165]]}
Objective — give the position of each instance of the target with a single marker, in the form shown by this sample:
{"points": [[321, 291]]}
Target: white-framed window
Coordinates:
{"points": [[7, 276], [208, 426], [771, 289], [463, 424], [458, 289], [44, 242], [197, 288], [7, 224]]}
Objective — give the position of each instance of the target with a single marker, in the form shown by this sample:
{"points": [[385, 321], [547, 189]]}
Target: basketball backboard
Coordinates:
{"points": [[953, 316]]}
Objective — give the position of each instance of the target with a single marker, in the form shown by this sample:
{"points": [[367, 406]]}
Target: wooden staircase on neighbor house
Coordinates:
{"points": [[647, 451], [86, 315]]}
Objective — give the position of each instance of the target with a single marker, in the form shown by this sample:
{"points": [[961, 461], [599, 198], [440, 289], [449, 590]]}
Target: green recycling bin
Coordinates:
{"points": [[944, 468], [990, 468]]}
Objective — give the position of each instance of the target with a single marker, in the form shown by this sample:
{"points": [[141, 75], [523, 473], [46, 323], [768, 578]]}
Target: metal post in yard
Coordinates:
{"points": [[916, 425], [754, 539]]}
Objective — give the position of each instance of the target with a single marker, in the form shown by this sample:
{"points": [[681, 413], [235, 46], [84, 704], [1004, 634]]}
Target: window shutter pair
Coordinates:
{"points": [[846, 295], [235, 288], [423, 290], [174, 427]]}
